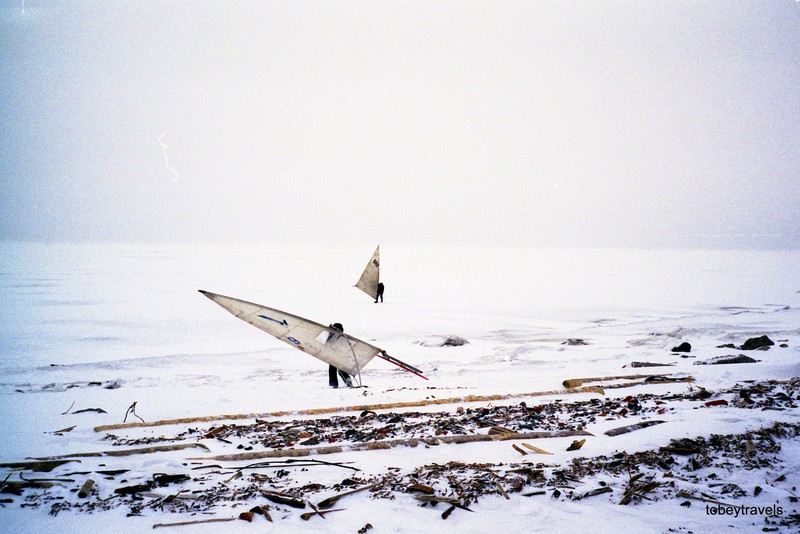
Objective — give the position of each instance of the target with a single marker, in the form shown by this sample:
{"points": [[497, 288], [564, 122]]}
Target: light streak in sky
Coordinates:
{"points": [[166, 158]]}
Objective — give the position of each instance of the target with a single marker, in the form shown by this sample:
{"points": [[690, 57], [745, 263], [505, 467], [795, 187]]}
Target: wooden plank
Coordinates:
{"points": [[537, 450], [196, 522], [630, 428], [575, 382], [41, 466], [388, 444], [355, 408], [129, 452]]}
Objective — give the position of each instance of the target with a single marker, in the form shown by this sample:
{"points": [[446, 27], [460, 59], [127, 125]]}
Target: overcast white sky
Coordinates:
{"points": [[472, 122]]}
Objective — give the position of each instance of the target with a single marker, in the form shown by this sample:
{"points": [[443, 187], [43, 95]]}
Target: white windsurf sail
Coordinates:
{"points": [[322, 342], [325, 343], [368, 283]]}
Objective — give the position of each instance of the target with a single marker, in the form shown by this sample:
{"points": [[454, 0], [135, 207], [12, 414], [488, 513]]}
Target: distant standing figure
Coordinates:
{"points": [[379, 294], [333, 372]]}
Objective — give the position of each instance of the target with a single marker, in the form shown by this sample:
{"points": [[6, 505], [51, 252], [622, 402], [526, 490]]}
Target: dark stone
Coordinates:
{"points": [[733, 491], [683, 347], [683, 446], [703, 393], [756, 343], [454, 341], [730, 358], [162, 479]]}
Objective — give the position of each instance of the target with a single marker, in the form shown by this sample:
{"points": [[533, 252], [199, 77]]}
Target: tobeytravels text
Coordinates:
{"points": [[737, 510]]}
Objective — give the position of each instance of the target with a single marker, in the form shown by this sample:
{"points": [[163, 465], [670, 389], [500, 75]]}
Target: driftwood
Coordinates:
{"points": [[576, 444], [308, 515], [45, 465], [435, 499], [107, 472], [634, 490], [421, 488], [684, 451], [630, 428], [355, 408], [501, 490], [388, 444], [575, 382], [44, 479], [262, 510], [132, 490], [533, 493], [280, 498], [12, 486], [592, 493], [537, 450], [295, 463], [686, 495], [650, 381], [132, 411], [16, 487], [68, 409], [86, 489], [330, 501], [129, 452], [500, 430], [163, 479], [196, 522]]}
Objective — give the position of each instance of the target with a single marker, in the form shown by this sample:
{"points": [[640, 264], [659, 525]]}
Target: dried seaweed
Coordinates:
{"points": [[675, 470]]}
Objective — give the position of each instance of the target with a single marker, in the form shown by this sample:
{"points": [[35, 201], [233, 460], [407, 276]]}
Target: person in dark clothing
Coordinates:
{"points": [[379, 294], [332, 377], [333, 372], [333, 380]]}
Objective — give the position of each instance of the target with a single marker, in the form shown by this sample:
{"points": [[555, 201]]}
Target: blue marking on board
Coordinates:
{"points": [[284, 323], [293, 340]]}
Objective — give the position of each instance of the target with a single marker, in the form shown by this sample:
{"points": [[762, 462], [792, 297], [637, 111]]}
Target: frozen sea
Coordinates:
{"points": [[129, 316]]}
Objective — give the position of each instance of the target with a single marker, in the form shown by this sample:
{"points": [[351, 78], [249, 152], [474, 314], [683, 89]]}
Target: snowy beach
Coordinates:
{"points": [[587, 217], [91, 327]]}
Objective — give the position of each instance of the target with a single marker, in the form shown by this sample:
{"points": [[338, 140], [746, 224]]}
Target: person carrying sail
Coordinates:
{"points": [[379, 294], [333, 381]]}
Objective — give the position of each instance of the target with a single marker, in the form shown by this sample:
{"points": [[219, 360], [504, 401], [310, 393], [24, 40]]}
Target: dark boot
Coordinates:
{"points": [[347, 380], [332, 380]]}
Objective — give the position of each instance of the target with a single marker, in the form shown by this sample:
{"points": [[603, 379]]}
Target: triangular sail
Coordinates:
{"points": [[324, 343], [368, 283]]}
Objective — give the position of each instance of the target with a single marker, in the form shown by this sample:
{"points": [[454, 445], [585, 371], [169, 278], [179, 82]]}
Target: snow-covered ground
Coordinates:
{"points": [[129, 317]]}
